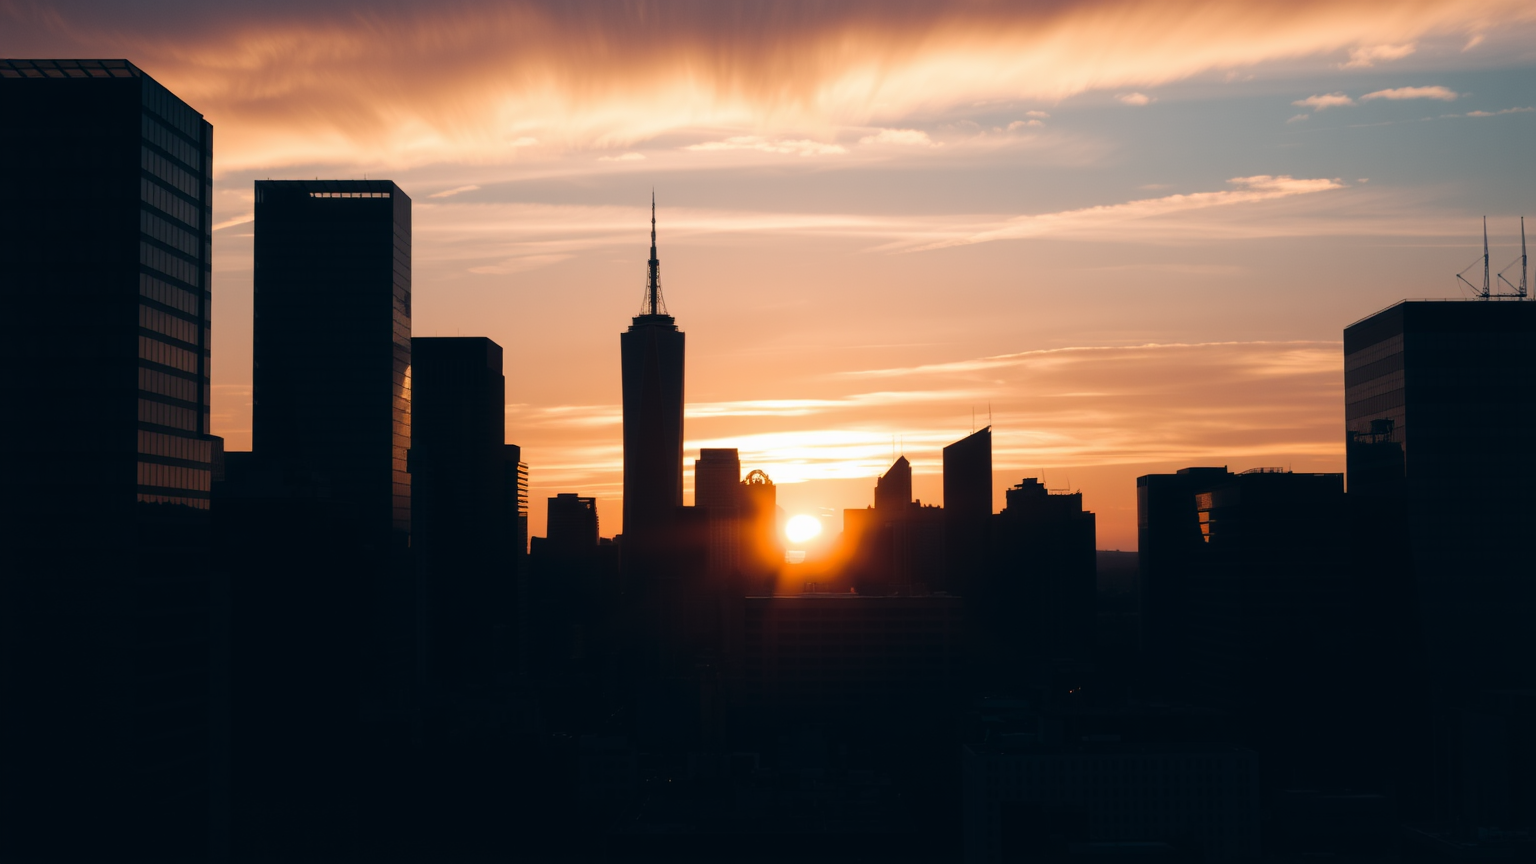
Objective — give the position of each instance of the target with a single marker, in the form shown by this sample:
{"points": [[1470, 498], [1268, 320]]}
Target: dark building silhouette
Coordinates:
{"points": [[464, 535], [652, 365], [332, 377], [1028, 800], [1170, 546], [896, 546], [110, 659], [717, 491], [571, 522], [1039, 598], [1441, 491], [1438, 394], [842, 657], [893, 489], [967, 508], [1271, 636]]}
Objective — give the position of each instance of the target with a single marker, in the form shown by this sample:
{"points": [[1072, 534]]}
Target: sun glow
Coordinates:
{"points": [[802, 528]]}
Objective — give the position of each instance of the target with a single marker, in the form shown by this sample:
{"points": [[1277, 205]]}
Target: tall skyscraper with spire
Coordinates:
{"points": [[652, 361]]}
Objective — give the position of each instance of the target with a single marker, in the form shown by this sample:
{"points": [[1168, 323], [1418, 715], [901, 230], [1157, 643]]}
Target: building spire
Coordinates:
{"points": [[654, 305]]}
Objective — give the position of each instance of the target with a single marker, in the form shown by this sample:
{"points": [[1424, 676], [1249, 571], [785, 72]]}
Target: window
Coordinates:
{"points": [[349, 194]]}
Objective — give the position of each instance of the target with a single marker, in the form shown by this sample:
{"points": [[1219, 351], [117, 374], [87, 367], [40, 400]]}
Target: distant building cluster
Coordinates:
{"points": [[344, 644]]}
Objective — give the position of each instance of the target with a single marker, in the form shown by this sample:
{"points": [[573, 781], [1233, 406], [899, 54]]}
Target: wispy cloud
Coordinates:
{"points": [[797, 147], [1497, 113], [1297, 118], [1102, 219], [1323, 102], [242, 219], [907, 137], [1135, 98], [449, 193], [404, 84], [622, 157], [1443, 94], [1367, 56]]}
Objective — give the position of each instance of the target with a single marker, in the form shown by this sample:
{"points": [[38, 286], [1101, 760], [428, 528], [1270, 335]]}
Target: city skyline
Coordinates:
{"points": [[1154, 275]]}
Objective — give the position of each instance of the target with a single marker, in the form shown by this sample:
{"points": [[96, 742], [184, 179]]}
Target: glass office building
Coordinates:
{"points": [[332, 376], [1439, 398], [104, 273]]}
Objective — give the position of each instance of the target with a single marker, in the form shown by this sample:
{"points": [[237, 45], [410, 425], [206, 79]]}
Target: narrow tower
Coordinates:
{"points": [[651, 352]]}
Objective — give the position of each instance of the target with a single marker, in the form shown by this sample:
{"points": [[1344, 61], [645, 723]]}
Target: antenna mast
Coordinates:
{"points": [[1522, 290], [1484, 292], [654, 305]]}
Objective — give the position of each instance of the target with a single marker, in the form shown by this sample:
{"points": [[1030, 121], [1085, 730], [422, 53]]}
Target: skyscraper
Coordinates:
{"points": [[717, 490], [460, 525], [652, 360], [1170, 548], [967, 508], [105, 599], [332, 379], [1039, 598], [1439, 396]]}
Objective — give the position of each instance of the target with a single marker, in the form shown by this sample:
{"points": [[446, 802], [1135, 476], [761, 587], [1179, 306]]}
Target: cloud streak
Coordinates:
{"points": [[403, 84]]}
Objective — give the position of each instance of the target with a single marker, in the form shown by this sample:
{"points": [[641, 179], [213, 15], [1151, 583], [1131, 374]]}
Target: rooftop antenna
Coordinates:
{"points": [[1484, 292], [1521, 290], [654, 305]]}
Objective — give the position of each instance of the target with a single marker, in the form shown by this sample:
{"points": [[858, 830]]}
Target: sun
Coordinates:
{"points": [[801, 528]]}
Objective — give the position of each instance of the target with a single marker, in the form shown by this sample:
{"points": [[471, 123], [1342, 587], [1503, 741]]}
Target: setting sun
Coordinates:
{"points": [[802, 528]]}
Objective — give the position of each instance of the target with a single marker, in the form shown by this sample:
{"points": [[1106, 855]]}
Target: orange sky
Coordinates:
{"points": [[1135, 230]]}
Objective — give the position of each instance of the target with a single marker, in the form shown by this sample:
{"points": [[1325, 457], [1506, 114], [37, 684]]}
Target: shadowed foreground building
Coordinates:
{"points": [[465, 530], [1439, 398], [111, 727]]}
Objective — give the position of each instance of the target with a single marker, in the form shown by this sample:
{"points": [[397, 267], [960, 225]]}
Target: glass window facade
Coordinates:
{"points": [[105, 219], [332, 382]]}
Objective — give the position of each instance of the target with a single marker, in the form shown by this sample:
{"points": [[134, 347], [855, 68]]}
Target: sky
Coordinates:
{"points": [[1127, 233]]}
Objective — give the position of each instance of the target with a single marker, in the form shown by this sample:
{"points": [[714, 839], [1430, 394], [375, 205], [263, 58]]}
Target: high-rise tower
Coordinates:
{"points": [[652, 360], [106, 601]]}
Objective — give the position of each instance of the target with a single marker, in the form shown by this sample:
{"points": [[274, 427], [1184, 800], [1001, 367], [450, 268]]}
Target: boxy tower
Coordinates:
{"points": [[107, 732]]}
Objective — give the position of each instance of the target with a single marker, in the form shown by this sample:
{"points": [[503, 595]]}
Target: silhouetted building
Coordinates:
{"points": [[106, 603], [332, 343], [1170, 547], [717, 490], [571, 523], [1038, 600], [1026, 800], [967, 509], [762, 550], [1271, 636], [462, 532], [1437, 397], [838, 657], [896, 546], [652, 360], [893, 489]]}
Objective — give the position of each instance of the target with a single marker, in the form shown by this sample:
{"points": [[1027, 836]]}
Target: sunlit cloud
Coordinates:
{"points": [[1497, 113], [622, 157], [480, 82], [1444, 94], [1096, 220], [1324, 101], [1298, 118], [1367, 56], [797, 147], [1038, 115], [1240, 402], [1135, 98], [907, 137], [1021, 124], [242, 219], [448, 193]]}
